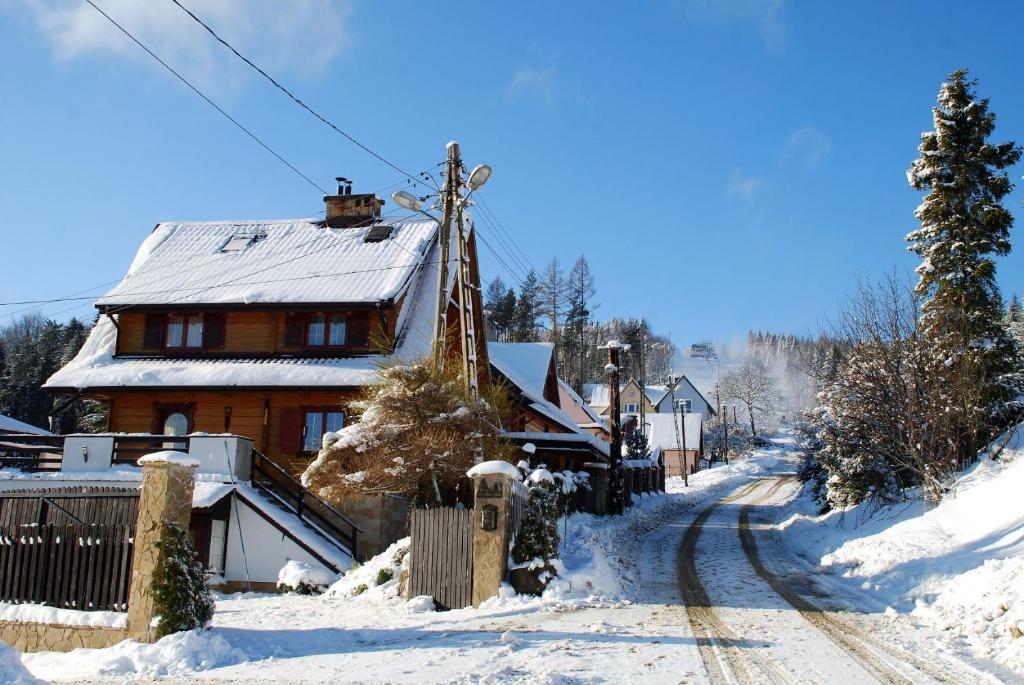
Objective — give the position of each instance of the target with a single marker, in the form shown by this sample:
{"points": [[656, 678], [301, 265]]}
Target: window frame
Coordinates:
{"points": [[186, 320], [684, 405], [326, 344], [635, 410], [324, 411]]}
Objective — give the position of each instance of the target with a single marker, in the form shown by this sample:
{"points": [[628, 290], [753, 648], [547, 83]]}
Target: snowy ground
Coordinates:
{"points": [[756, 612]]}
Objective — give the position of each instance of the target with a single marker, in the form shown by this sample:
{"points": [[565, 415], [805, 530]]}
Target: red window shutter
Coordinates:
{"points": [[214, 331], [357, 330], [289, 438], [153, 334], [294, 330]]}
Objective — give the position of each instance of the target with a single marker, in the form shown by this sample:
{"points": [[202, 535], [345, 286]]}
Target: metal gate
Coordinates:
{"points": [[442, 556]]}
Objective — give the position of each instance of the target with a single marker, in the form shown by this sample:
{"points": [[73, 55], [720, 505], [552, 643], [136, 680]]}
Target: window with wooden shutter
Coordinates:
{"points": [[153, 334], [358, 333], [214, 331], [294, 330], [289, 436]]}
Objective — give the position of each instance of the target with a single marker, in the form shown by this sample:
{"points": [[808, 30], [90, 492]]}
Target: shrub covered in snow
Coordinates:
{"points": [[379, 579], [538, 538], [181, 599], [416, 437], [304, 579]]}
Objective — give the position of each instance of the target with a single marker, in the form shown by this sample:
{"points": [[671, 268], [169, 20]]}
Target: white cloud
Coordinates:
{"points": [[539, 84], [765, 16], [298, 35], [807, 145], [743, 186]]}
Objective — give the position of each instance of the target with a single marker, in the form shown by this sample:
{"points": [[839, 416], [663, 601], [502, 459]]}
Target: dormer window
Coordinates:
{"points": [[323, 331], [184, 331]]}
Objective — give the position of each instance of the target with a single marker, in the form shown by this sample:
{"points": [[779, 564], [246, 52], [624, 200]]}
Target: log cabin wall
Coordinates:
{"points": [[138, 411], [256, 333]]}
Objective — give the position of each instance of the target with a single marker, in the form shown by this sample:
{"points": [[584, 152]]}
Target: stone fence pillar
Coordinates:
{"points": [[492, 488], [166, 497]]}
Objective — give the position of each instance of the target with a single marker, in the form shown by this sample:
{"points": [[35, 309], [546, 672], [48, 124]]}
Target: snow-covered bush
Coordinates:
{"points": [[181, 599], [538, 538], [416, 437], [304, 579]]}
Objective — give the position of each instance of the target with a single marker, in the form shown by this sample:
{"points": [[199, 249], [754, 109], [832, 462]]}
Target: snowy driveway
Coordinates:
{"points": [[717, 597]]}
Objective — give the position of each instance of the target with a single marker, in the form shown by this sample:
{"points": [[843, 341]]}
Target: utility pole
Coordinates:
{"points": [[680, 444], [615, 494], [643, 377], [686, 460], [449, 200], [725, 434]]}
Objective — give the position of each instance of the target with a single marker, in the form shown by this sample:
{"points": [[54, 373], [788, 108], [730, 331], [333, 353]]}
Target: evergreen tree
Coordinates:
{"points": [[524, 327], [500, 303], [538, 537], [636, 444], [181, 599], [963, 227]]}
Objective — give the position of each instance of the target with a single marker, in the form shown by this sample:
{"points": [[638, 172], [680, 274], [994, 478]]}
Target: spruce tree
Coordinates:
{"points": [[963, 227], [538, 537], [525, 323], [181, 599]]}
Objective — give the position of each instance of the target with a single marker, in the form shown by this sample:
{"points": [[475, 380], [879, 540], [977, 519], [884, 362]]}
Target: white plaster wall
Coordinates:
{"points": [[266, 548]]}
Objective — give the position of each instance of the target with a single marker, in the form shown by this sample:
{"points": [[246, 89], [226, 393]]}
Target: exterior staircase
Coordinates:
{"points": [[284, 491]]}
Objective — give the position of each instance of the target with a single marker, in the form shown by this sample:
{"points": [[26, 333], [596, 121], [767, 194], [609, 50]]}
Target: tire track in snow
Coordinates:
{"points": [[720, 647], [863, 648]]}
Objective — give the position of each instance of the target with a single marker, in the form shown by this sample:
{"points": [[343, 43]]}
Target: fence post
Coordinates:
{"points": [[166, 497], [492, 504]]}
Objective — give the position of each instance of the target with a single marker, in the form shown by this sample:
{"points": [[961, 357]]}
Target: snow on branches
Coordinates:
{"points": [[416, 437]]}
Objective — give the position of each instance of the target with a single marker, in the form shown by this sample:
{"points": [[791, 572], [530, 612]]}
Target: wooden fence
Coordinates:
{"points": [[84, 567], [442, 556], [109, 506]]}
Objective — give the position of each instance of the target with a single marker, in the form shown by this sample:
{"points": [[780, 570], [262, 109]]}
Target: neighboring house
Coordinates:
{"points": [[266, 329], [687, 397], [14, 427], [581, 412], [656, 399], [665, 439], [527, 371]]}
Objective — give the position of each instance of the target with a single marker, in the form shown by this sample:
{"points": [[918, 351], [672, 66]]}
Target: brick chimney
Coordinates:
{"points": [[346, 210]]}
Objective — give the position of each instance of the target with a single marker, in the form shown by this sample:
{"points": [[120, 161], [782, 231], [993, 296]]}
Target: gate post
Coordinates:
{"points": [[166, 497], [492, 489]]}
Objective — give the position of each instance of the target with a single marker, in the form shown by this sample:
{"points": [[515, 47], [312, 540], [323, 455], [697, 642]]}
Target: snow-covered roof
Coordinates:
{"points": [[598, 394], [525, 364], [9, 425], [254, 262], [96, 367], [576, 407], [662, 432], [521, 364]]}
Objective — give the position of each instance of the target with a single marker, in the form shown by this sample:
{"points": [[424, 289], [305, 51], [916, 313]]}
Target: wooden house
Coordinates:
{"points": [[266, 329]]}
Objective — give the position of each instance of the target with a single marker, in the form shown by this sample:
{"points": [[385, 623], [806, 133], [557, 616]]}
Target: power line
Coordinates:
{"points": [[208, 100], [291, 95], [488, 210]]}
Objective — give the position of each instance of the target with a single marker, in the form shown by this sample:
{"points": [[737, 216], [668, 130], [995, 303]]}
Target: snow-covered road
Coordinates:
{"points": [[717, 596]]}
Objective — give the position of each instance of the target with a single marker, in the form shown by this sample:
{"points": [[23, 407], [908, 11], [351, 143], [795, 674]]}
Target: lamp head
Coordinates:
{"points": [[478, 176], [407, 200]]}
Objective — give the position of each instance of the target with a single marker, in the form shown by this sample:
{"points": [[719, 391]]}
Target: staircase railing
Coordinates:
{"points": [[272, 479]]}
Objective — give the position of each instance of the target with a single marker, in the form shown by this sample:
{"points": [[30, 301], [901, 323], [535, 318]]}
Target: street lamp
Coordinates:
{"points": [[407, 200], [478, 177]]}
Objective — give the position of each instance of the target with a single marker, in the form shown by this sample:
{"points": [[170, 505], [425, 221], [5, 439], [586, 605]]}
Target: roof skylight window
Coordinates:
{"points": [[240, 241]]}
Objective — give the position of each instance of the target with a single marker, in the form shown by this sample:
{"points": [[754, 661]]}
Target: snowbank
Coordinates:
{"points": [[958, 566], [175, 655], [298, 575], [39, 613], [11, 669]]}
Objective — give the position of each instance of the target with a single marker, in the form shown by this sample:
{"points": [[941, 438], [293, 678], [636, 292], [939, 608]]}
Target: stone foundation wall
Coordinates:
{"points": [[382, 518], [44, 637]]}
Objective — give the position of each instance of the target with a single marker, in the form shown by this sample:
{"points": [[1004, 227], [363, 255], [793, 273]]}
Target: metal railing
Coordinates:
{"points": [[282, 486]]}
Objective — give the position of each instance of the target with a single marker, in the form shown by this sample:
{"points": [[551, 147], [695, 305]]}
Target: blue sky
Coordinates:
{"points": [[722, 166]]}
